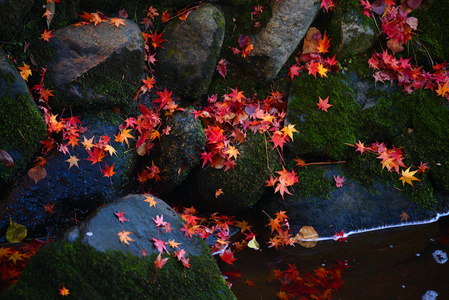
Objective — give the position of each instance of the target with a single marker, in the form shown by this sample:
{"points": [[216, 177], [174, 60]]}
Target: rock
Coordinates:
{"points": [[274, 44], [72, 191], [22, 126], [322, 134], [241, 187], [98, 266], [187, 61], [86, 55], [351, 207], [357, 33], [177, 153]]}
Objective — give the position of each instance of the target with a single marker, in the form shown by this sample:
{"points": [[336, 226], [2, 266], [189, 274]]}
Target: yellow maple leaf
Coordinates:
{"points": [[243, 225], [407, 176], [88, 143], [110, 149], [124, 237], [173, 244], [442, 90], [289, 130], [73, 160], [232, 152], [25, 71], [15, 257], [322, 70], [123, 136], [150, 199]]}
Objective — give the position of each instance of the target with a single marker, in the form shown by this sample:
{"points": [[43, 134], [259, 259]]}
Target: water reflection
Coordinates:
{"points": [[398, 263]]}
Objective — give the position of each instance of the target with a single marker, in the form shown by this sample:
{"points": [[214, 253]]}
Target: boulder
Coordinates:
{"points": [[96, 66], [242, 187], [189, 56], [74, 191], [22, 126], [275, 43], [177, 153], [93, 263]]}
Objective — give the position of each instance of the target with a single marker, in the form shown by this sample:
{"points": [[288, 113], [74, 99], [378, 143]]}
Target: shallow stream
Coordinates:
{"points": [[407, 262]]}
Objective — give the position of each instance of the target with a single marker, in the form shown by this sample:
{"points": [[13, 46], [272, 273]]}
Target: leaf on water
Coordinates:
{"points": [[16, 232], [37, 173], [253, 244], [6, 159], [307, 233]]}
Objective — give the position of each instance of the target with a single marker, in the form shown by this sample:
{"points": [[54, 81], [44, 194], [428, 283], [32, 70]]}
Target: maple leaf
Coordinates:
{"points": [[46, 36], [323, 104], [278, 140], [282, 188], [442, 90], [160, 245], [150, 199], [165, 16], [188, 230], [243, 225], [423, 167], [173, 244], [73, 160], [299, 162], [95, 156], [206, 157], [360, 147], [237, 95], [88, 143], [123, 136], [289, 130], [339, 181], [124, 237], [404, 216], [49, 207], [64, 291], [25, 71], [324, 44], [322, 70], [147, 22], [218, 193], [326, 4], [110, 149], [157, 40], [158, 264], [250, 282], [340, 237], [15, 257], [117, 22], [121, 216], [228, 257], [313, 68], [275, 225], [45, 93], [221, 67], [232, 152], [294, 71], [4, 251], [407, 176], [159, 221]]}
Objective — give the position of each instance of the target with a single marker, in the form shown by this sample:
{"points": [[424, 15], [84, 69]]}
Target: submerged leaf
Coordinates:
{"points": [[16, 232]]}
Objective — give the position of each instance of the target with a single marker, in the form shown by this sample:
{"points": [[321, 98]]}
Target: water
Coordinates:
{"points": [[395, 263]]}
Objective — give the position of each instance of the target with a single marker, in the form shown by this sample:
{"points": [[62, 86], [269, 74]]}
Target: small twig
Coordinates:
{"points": [[326, 163]]}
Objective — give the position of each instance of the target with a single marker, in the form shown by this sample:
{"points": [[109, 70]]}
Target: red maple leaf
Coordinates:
{"points": [[228, 257], [221, 67], [95, 156], [121, 216], [340, 237], [157, 40], [108, 171], [313, 68], [160, 245], [294, 71], [323, 104], [158, 264]]}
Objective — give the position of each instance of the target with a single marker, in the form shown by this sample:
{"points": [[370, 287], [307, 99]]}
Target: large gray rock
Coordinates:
{"points": [[74, 191], [96, 66], [22, 126], [190, 54], [177, 153], [274, 44], [94, 264]]}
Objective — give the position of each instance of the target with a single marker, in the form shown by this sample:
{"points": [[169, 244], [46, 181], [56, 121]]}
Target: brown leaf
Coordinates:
{"points": [[307, 233], [311, 40], [37, 173], [6, 159]]}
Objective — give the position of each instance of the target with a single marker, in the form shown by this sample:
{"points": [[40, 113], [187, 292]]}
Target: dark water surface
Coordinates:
{"points": [[395, 263]]}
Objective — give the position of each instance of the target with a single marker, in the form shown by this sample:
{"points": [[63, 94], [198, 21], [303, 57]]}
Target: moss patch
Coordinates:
{"points": [[90, 274]]}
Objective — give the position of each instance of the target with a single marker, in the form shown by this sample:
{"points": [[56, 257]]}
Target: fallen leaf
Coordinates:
{"points": [[49, 207], [407, 176], [124, 237], [218, 193], [253, 244], [64, 291], [307, 233], [323, 104], [121, 216], [6, 159], [16, 232], [37, 173], [404, 216], [73, 160]]}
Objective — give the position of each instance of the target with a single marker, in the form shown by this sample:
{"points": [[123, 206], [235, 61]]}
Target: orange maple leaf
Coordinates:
{"points": [[150, 199], [404, 216], [124, 237], [45, 93], [274, 224], [218, 193], [117, 22], [25, 71], [232, 152], [323, 44], [108, 170], [64, 291], [46, 36], [49, 207], [157, 40], [96, 156], [442, 90]]}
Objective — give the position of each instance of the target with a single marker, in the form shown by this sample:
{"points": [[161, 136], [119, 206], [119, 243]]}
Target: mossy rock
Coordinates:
{"points": [[322, 133], [91, 274], [243, 186], [22, 126]]}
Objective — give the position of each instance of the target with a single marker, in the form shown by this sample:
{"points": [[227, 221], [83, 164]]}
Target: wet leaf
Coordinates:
{"points": [[307, 233], [6, 159], [253, 244], [37, 173], [16, 232]]}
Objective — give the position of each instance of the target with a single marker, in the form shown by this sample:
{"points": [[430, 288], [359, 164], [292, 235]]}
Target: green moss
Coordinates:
{"points": [[321, 133], [90, 274]]}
